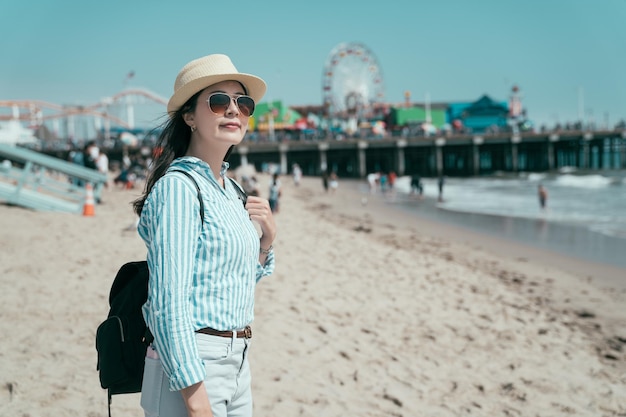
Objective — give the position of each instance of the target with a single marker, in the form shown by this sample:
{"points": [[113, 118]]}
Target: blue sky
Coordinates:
{"points": [[77, 52]]}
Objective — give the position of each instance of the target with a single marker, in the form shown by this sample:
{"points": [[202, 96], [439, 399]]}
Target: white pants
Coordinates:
{"points": [[228, 380]]}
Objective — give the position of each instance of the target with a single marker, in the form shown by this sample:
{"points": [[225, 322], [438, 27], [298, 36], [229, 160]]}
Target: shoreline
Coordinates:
{"points": [[585, 253]]}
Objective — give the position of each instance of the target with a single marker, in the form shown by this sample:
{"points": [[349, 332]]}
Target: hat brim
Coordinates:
{"points": [[255, 87]]}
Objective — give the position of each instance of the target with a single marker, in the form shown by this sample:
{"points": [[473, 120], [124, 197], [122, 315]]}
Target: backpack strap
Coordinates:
{"points": [[240, 192], [188, 175]]}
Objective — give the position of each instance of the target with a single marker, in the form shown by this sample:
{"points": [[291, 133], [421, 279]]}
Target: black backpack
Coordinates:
{"points": [[122, 339]]}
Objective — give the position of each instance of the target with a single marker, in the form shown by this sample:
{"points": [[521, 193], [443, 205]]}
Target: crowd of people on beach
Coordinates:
{"points": [[131, 168], [91, 156], [381, 181]]}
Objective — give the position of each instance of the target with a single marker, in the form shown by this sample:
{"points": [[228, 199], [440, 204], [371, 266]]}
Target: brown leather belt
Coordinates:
{"points": [[245, 333]]}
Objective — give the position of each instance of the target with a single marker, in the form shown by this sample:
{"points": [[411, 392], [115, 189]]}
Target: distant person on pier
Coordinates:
{"points": [[543, 196]]}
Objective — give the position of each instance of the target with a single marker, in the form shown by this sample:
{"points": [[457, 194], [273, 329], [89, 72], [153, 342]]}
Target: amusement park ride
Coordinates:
{"points": [[352, 83], [105, 113]]}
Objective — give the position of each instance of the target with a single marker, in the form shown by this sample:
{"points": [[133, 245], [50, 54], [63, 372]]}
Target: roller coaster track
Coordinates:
{"points": [[34, 109]]}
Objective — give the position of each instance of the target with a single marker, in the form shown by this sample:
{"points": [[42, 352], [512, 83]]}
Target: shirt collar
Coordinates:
{"points": [[198, 165]]}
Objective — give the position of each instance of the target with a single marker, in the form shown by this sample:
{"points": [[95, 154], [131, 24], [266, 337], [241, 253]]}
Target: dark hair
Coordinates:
{"points": [[172, 143]]}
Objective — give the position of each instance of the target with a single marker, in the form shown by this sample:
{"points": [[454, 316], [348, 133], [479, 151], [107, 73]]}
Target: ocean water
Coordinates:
{"points": [[585, 217], [593, 201]]}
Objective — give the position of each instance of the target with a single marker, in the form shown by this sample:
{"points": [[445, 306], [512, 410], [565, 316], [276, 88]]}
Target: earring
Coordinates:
{"points": [[193, 129]]}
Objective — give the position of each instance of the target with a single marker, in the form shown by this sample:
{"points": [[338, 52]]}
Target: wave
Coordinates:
{"points": [[584, 181], [536, 177]]}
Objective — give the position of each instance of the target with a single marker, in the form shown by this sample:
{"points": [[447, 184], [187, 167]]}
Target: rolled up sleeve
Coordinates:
{"points": [[263, 270]]}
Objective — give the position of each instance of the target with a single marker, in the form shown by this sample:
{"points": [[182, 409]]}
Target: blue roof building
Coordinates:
{"points": [[479, 116]]}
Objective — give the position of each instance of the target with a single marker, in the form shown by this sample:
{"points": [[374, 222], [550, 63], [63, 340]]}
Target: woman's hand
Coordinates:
{"points": [[260, 212], [197, 401]]}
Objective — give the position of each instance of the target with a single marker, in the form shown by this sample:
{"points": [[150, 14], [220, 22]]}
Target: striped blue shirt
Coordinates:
{"points": [[201, 275]]}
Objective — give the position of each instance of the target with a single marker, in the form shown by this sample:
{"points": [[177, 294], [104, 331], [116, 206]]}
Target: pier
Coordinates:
{"points": [[446, 153], [454, 155]]}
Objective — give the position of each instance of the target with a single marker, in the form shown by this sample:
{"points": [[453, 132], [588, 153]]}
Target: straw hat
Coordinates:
{"points": [[211, 69]]}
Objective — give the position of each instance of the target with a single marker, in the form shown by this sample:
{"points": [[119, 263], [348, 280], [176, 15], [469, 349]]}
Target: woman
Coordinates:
{"points": [[202, 274]]}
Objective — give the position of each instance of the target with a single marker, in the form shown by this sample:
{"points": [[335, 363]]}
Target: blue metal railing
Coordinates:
{"points": [[42, 182]]}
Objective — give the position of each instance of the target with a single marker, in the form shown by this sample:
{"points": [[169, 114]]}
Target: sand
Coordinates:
{"points": [[367, 314]]}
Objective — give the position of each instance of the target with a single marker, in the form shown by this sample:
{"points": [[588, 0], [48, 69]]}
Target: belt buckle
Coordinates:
{"points": [[247, 332]]}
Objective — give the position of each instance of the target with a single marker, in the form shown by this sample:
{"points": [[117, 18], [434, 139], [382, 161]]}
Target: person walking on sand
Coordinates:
{"points": [[203, 272], [372, 181], [543, 196], [297, 174], [102, 163], [383, 180], [325, 180], [391, 179], [416, 186], [333, 182], [275, 192], [440, 184]]}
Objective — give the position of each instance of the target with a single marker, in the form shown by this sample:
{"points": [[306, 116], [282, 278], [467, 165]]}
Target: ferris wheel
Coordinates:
{"points": [[352, 82]]}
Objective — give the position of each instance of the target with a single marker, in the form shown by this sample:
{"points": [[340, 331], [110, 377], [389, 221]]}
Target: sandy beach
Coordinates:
{"points": [[370, 313]]}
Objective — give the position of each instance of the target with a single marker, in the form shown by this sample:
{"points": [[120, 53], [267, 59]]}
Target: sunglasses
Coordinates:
{"points": [[220, 102]]}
